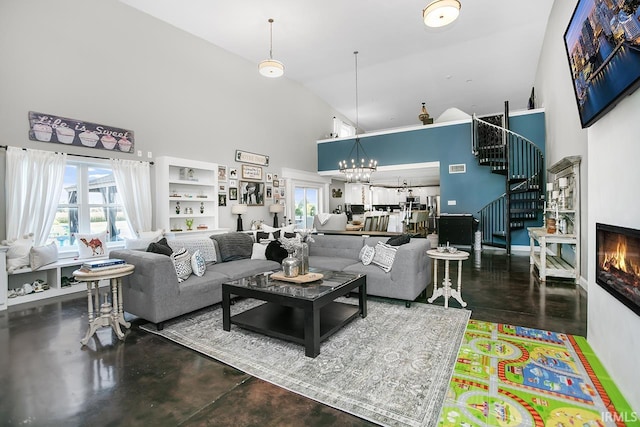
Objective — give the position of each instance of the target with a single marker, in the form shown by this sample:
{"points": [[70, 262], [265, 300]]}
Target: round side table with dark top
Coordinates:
{"points": [[446, 291], [110, 312]]}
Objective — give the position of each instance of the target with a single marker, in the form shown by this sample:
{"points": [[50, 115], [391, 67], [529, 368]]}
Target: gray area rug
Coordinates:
{"points": [[392, 368]]}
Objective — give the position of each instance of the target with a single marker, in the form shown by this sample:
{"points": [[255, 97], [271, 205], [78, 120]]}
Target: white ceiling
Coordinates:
{"points": [[488, 56]]}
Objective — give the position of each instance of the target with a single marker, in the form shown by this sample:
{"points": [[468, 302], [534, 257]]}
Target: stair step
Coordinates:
{"points": [[523, 211], [502, 234]]}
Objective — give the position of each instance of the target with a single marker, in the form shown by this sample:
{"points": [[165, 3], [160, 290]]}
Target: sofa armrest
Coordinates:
{"points": [[154, 274], [411, 261]]}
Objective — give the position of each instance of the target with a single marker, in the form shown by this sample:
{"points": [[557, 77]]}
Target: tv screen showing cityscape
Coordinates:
{"points": [[603, 49]]}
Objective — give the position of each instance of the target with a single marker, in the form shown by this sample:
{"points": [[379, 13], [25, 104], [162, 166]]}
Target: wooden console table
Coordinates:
{"points": [[553, 265]]}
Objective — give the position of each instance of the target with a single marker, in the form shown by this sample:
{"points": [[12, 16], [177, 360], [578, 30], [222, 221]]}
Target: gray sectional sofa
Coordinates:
{"points": [[153, 292]]}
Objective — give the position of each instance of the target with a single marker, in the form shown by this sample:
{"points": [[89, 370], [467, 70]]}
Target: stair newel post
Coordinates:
{"points": [[507, 202]]}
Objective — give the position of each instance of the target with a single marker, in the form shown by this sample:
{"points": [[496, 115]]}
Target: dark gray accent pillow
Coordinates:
{"points": [[160, 247], [399, 240], [234, 246]]}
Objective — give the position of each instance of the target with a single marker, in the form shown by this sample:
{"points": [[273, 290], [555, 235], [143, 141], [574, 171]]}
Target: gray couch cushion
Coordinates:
{"points": [[330, 263], [336, 246], [234, 246], [243, 267]]}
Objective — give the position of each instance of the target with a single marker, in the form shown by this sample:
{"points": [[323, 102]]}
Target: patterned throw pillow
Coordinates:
{"points": [[91, 245], [366, 254], [202, 244], [198, 264], [384, 256], [182, 264]]}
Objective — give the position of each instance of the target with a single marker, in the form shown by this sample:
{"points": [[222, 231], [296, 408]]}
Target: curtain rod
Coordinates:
{"points": [[82, 155]]}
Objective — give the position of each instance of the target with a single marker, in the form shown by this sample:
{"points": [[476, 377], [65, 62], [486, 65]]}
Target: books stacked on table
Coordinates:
{"points": [[102, 265]]}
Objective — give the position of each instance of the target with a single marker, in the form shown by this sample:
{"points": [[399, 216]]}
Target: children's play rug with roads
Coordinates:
{"points": [[514, 376]]}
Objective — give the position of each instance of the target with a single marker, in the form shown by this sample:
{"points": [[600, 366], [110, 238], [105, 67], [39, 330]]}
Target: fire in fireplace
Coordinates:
{"points": [[618, 263]]}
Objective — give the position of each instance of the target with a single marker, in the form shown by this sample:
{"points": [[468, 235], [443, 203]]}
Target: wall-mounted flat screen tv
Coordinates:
{"points": [[603, 48]]}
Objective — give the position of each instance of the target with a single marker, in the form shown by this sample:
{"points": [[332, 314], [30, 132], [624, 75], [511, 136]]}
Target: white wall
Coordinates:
{"points": [[613, 329], [610, 153], [554, 92], [107, 63]]}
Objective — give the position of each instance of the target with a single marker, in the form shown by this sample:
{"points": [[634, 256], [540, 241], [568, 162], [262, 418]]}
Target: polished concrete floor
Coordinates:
{"points": [[48, 379]]}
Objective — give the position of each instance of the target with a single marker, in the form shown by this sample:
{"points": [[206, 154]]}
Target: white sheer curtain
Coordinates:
{"points": [[33, 185], [134, 186]]}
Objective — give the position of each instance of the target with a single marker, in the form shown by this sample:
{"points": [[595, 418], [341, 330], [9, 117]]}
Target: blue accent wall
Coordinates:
{"points": [[445, 144]]}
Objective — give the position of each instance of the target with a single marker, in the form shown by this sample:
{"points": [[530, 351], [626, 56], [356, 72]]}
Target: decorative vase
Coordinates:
{"points": [[178, 207], [302, 253], [291, 266]]}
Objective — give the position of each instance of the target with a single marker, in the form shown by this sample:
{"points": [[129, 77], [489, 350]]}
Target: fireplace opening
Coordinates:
{"points": [[618, 263]]}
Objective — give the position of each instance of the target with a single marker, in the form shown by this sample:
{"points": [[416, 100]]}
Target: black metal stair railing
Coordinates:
{"points": [[522, 164]]}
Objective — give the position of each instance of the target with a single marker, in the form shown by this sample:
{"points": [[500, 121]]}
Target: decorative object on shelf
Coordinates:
{"points": [[201, 207], [354, 171], [291, 266], [439, 13], [251, 172], [56, 129], [189, 222], [239, 210], [252, 193], [275, 210], [178, 208], [563, 183], [270, 67], [222, 200], [233, 193], [188, 211], [222, 173], [424, 116]]}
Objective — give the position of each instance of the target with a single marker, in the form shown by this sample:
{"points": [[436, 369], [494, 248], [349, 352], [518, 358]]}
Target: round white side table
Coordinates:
{"points": [[110, 312], [445, 290]]}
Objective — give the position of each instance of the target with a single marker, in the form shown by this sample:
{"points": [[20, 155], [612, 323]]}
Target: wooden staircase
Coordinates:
{"points": [[521, 162]]}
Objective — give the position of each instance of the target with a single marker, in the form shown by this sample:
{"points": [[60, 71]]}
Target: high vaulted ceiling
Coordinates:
{"points": [[488, 56]]}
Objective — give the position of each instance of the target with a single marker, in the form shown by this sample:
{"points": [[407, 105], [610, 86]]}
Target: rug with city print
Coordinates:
{"points": [[514, 376]]}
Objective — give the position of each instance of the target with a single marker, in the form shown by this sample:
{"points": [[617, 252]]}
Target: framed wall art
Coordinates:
{"points": [[253, 158], [233, 193], [222, 173], [233, 173], [252, 193], [252, 172]]}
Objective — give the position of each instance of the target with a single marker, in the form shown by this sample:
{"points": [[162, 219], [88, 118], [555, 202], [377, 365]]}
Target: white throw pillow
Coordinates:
{"points": [[384, 256], [43, 255], [153, 235], [286, 229], [138, 244], [198, 265], [91, 245], [18, 252], [259, 251]]}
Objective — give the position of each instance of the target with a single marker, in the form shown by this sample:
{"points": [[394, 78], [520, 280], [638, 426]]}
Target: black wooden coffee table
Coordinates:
{"points": [[306, 314]]}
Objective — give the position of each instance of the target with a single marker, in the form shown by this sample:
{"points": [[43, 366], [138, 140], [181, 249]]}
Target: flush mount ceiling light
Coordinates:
{"points": [[439, 13], [270, 67], [360, 168]]}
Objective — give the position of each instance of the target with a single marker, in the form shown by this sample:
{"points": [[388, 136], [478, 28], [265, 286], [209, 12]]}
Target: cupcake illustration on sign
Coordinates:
{"points": [[42, 132], [108, 142], [124, 145], [89, 138], [65, 134]]}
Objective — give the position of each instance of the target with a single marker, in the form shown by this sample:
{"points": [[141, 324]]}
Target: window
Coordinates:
{"points": [[306, 205], [89, 203], [342, 129]]}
